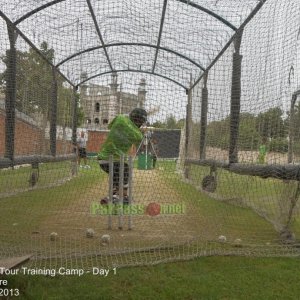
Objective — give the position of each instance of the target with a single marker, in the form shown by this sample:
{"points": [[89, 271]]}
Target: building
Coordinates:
{"points": [[102, 103]]}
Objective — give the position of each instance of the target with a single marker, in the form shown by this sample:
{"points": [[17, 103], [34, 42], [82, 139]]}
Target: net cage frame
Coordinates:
{"points": [[188, 83], [14, 23]]}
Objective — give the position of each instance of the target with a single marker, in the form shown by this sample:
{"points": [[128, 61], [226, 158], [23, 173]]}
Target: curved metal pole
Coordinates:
{"points": [[34, 11], [130, 44], [136, 71], [98, 32], [160, 33], [211, 13], [28, 41], [248, 19]]}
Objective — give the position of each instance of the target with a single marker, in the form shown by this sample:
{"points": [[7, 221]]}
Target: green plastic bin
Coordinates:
{"points": [[145, 162]]}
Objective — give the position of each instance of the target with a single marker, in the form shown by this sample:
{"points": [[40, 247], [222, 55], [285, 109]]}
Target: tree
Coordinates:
{"points": [[169, 123], [270, 124], [34, 86], [33, 79], [249, 138], [218, 133]]}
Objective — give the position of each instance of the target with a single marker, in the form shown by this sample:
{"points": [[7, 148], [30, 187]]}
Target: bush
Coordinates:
{"points": [[278, 145], [296, 148]]}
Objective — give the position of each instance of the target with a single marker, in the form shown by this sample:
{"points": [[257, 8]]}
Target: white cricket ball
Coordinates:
{"points": [[53, 236], [105, 239], [90, 233], [237, 243], [222, 239]]}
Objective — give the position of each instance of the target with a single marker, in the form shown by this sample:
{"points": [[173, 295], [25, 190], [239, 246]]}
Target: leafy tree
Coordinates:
{"points": [[180, 123], [169, 123], [218, 133], [34, 86], [80, 117], [249, 137], [33, 79], [158, 124], [270, 124]]}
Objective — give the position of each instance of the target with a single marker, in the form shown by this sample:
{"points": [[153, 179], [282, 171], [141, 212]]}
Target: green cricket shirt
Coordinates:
{"points": [[123, 134]]}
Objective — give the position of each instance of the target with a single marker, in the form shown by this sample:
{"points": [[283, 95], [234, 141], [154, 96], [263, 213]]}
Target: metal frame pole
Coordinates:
{"points": [[292, 127], [188, 129], [235, 104], [110, 193], [130, 200], [74, 128], [10, 94], [203, 124], [53, 119], [75, 111], [121, 187]]}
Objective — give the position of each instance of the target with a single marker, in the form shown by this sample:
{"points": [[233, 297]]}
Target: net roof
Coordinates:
{"points": [[175, 39]]}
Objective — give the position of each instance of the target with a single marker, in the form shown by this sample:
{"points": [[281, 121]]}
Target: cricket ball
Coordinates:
{"points": [[105, 239], [153, 209], [53, 236], [237, 243], [90, 233], [222, 239]]}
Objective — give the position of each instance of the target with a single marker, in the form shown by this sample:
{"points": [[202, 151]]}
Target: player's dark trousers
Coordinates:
{"points": [[116, 173]]}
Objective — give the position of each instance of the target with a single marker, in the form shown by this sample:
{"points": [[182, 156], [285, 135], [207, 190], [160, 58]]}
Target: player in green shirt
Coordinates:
{"points": [[124, 132]]}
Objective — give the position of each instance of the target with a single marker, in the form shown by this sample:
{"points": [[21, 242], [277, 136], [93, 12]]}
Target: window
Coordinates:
{"points": [[96, 121], [105, 121], [89, 121], [97, 107]]}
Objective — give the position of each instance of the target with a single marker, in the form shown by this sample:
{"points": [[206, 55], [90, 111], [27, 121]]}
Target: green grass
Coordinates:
{"points": [[232, 220], [269, 196], [38, 203], [18, 179], [203, 278], [231, 185]]}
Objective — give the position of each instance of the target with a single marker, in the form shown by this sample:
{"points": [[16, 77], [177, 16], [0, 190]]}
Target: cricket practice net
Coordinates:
{"points": [[216, 170]]}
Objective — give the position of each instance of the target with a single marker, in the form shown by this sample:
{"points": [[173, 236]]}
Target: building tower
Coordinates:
{"points": [[84, 98], [114, 83], [113, 97], [142, 93]]}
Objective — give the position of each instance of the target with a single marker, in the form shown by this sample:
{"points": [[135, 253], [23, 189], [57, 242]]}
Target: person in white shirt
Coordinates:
{"points": [[81, 146]]}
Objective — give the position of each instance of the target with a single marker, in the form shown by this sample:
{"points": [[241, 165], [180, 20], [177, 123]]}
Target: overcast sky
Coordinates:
{"points": [[269, 47]]}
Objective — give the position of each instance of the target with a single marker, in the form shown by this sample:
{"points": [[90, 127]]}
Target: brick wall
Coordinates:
{"points": [[95, 141], [29, 139]]}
